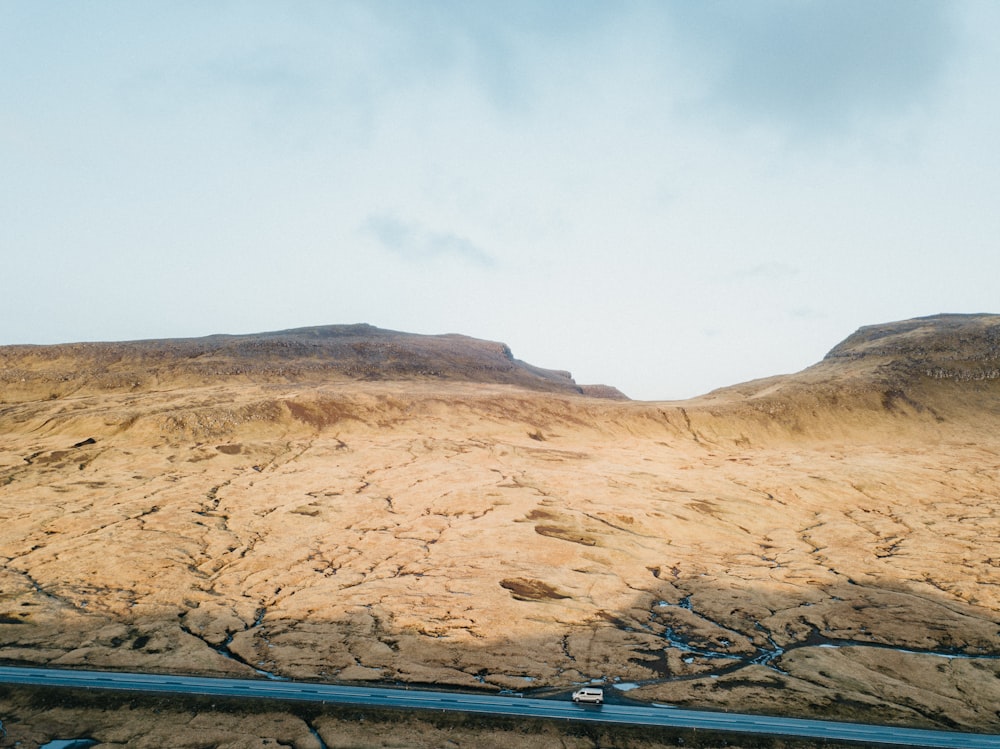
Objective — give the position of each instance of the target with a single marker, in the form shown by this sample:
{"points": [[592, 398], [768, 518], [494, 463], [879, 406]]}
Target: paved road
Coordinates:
{"points": [[512, 706]]}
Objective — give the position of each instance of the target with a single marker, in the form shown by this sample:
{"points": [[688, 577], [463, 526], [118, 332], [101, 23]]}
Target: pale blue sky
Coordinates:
{"points": [[663, 196]]}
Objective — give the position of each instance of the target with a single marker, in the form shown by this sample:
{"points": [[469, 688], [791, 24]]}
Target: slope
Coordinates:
{"points": [[813, 544]]}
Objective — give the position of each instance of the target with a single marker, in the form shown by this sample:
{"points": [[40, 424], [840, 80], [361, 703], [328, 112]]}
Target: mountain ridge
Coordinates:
{"points": [[359, 352], [959, 347], [941, 368]]}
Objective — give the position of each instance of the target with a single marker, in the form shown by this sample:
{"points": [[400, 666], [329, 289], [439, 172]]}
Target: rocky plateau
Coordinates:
{"points": [[349, 504]]}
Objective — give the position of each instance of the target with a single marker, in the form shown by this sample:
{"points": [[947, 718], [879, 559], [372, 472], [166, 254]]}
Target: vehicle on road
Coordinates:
{"points": [[594, 695]]}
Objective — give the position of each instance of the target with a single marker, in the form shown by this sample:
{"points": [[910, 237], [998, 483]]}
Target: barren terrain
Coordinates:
{"points": [[348, 504]]}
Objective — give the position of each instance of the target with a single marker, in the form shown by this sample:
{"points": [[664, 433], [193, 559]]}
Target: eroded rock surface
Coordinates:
{"points": [[817, 544]]}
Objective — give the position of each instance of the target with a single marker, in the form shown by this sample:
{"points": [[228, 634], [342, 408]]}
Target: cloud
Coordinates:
{"points": [[763, 272], [816, 65], [496, 45], [806, 313], [413, 241], [271, 73]]}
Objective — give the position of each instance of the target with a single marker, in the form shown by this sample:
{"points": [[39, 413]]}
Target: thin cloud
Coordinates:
{"points": [[806, 313], [764, 271], [816, 66], [269, 73], [495, 44], [413, 241]]}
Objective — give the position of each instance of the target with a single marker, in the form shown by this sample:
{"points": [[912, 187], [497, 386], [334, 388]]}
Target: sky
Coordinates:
{"points": [[667, 197]]}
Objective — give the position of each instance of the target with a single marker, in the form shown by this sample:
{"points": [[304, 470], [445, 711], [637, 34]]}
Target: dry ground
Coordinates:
{"points": [[822, 546]]}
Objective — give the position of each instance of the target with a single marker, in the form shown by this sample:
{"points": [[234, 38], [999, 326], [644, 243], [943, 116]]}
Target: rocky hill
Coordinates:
{"points": [[349, 505], [327, 353], [943, 369]]}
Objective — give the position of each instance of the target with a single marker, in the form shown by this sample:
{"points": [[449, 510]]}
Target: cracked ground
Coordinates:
{"points": [[493, 538]]}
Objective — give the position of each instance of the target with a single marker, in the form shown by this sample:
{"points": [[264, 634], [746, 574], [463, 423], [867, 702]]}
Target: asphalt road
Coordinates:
{"points": [[418, 699]]}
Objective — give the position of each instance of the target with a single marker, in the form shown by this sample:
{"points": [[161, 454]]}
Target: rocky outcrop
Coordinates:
{"points": [[305, 355], [604, 391], [957, 347], [882, 379]]}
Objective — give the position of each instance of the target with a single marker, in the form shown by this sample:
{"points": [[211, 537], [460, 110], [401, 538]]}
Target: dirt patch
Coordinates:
{"points": [[532, 590], [565, 534]]}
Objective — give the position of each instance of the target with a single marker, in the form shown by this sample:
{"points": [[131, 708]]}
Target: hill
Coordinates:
{"points": [[348, 504], [326, 354]]}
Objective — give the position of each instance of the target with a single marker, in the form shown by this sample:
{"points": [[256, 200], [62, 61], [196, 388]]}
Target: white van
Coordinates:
{"points": [[589, 694]]}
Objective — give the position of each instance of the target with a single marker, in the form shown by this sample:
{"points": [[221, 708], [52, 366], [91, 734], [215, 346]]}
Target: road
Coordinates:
{"points": [[418, 699]]}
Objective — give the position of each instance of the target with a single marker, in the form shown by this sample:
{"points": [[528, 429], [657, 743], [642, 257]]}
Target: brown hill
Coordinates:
{"points": [[930, 371], [328, 353], [901, 355], [815, 544]]}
